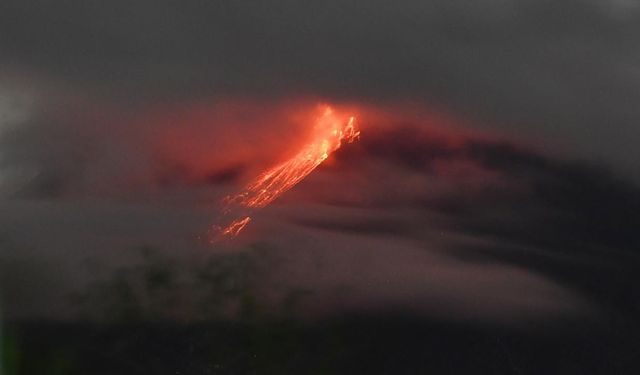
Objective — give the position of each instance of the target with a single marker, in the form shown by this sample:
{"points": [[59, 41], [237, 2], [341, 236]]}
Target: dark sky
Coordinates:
{"points": [[566, 70], [496, 174]]}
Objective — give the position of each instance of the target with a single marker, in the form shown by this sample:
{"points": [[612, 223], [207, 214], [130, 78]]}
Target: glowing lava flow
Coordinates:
{"points": [[235, 227], [330, 131]]}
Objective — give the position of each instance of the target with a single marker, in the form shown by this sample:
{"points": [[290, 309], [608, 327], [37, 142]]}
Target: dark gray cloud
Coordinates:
{"points": [[564, 71]]}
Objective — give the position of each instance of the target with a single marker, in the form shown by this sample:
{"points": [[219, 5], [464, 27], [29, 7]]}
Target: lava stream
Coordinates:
{"points": [[329, 132]]}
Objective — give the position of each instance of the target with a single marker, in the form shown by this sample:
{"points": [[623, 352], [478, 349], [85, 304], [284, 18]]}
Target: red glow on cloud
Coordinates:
{"points": [[254, 151]]}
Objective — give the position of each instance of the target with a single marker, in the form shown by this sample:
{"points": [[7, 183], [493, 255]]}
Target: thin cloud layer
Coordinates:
{"points": [[420, 216], [489, 201]]}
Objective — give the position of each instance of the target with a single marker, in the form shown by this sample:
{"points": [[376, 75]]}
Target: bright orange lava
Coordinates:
{"points": [[329, 132], [235, 227]]}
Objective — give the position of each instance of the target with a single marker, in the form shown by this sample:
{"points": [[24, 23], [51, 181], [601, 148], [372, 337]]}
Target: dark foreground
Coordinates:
{"points": [[354, 345]]}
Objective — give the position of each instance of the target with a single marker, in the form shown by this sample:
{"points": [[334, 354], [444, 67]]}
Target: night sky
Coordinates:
{"points": [[495, 183]]}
